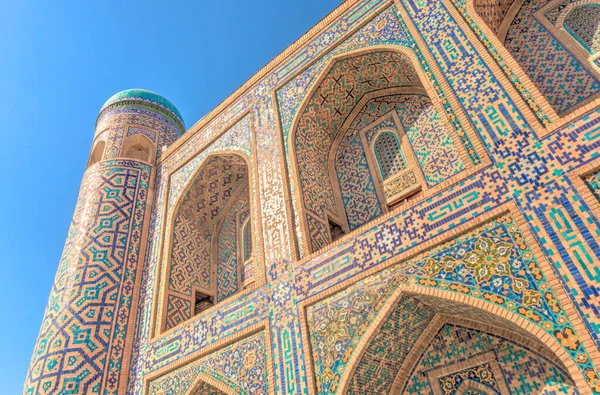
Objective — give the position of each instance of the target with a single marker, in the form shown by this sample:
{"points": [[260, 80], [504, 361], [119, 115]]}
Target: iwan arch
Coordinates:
{"points": [[405, 201]]}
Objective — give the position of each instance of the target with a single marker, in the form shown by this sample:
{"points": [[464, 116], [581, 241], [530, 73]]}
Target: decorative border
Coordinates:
{"points": [[263, 326]]}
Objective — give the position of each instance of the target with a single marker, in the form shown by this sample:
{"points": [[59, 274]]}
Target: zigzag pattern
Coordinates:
{"points": [[179, 310], [228, 281], [85, 305]]}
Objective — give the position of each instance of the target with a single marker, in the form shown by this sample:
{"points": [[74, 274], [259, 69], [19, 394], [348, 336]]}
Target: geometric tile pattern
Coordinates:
{"points": [[200, 212], [90, 304], [519, 170], [228, 281], [384, 356], [483, 374], [338, 93], [436, 153], [557, 73], [335, 328], [492, 263], [524, 370], [241, 366], [336, 96]]}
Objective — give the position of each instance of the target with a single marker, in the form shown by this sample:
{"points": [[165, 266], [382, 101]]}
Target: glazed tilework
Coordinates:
{"points": [[228, 274], [453, 383], [542, 55], [242, 367], [131, 131], [492, 263], [321, 121], [502, 164], [582, 22], [91, 300], [556, 72], [113, 123], [385, 354], [524, 371], [221, 180]]}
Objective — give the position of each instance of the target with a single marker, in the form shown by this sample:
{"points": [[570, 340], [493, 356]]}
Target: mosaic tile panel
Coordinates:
{"points": [[582, 22], [435, 151], [524, 168], [525, 372], [228, 281], [557, 73], [385, 354], [492, 263], [90, 303], [336, 325], [359, 197], [482, 374], [241, 366], [218, 182]]}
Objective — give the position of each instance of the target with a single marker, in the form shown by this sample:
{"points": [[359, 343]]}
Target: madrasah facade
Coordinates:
{"points": [[405, 201]]}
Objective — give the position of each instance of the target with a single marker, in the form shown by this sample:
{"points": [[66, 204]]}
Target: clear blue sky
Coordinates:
{"points": [[59, 62]]}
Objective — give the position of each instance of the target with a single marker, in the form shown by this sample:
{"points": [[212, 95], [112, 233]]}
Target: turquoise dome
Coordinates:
{"points": [[143, 95]]}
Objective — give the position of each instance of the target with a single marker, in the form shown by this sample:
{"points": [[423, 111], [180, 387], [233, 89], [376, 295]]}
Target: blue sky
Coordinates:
{"points": [[59, 62]]}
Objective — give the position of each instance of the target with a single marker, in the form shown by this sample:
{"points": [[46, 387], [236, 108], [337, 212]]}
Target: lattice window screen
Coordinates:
{"points": [[389, 155], [583, 22], [247, 237]]}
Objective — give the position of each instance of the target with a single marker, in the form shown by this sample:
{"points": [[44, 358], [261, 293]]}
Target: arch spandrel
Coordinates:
{"points": [[488, 274]]}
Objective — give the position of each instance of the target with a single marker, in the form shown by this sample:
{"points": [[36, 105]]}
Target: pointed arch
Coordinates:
{"points": [[583, 24], [97, 153], [206, 385], [467, 312], [541, 53], [201, 241], [311, 142], [138, 147]]}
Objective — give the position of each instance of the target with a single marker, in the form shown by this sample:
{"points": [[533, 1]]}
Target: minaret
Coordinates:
{"points": [[84, 343]]}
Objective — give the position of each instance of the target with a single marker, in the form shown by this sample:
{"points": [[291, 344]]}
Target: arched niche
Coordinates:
{"points": [[203, 266], [138, 147], [339, 186], [582, 22], [425, 343], [97, 153]]}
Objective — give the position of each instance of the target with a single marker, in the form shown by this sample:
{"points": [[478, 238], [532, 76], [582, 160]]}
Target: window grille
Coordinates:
{"points": [[389, 155], [247, 240]]}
